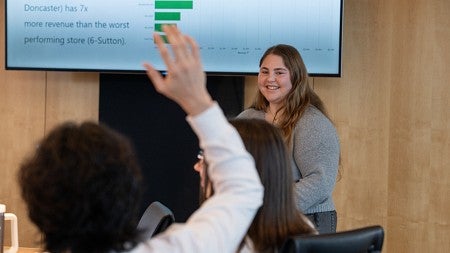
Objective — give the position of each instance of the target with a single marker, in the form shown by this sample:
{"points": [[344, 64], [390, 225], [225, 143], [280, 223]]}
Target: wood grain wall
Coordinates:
{"points": [[419, 139], [31, 103], [391, 108]]}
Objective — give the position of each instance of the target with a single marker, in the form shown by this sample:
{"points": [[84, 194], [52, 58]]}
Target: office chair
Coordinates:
{"points": [[156, 218], [362, 240]]}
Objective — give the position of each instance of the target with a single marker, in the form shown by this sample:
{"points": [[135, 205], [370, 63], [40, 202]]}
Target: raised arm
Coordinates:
{"points": [[185, 82], [222, 221]]}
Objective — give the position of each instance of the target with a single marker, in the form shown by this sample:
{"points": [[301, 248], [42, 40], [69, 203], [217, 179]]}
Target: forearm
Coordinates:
{"points": [[222, 221]]}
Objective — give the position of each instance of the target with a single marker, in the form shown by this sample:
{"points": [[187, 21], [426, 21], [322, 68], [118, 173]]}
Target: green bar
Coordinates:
{"points": [[173, 4], [158, 27], [164, 38], [168, 16]]}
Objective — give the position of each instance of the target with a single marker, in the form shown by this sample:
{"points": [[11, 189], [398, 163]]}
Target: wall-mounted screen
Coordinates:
{"points": [[116, 35]]}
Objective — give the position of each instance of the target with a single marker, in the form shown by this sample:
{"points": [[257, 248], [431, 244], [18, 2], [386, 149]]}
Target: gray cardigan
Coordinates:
{"points": [[315, 159]]}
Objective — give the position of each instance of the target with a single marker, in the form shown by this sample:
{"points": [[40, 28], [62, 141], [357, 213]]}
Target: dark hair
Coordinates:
{"points": [[278, 217], [82, 187]]}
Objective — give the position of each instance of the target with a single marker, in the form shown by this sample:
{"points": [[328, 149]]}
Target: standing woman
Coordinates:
{"points": [[286, 99]]}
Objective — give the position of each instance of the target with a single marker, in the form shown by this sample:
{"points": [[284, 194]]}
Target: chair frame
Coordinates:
{"points": [[361, 240], [156, 218]]}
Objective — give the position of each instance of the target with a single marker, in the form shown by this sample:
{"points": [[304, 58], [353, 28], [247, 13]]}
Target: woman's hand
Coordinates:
{"points": [[185, 82]]}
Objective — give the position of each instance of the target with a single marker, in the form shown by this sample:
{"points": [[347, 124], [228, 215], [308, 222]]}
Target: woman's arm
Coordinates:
{"points": [[221, 222], [316, 155]]}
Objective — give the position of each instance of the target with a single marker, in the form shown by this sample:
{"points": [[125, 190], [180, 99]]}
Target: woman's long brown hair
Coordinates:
{"points": [[278, 217]]}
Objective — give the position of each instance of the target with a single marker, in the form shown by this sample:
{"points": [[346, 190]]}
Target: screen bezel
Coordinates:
{"points": [[208, 72]]}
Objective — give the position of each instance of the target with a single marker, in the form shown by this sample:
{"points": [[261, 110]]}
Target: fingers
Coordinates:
{"points": [[177, 40], [163, 51], [184, 48], [194, 47], [185, 81], [155, 76]]}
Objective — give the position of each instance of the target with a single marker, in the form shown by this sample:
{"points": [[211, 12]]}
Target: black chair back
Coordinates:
{"points": [[156, 218], [362, 240]]}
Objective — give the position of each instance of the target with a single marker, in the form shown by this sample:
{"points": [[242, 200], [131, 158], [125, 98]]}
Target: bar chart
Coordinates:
{"points": [[167, 12], [231, 34], [239, 31]]}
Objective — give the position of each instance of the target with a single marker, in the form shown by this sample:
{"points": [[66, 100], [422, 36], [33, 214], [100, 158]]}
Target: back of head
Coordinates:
{"points": [[278, 218], [82, 188]]}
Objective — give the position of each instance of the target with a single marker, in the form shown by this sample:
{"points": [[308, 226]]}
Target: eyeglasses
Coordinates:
{"points": [[200, 155]]}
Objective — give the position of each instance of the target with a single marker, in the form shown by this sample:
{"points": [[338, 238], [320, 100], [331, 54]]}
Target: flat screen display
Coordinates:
{"points": [[116, 35]]}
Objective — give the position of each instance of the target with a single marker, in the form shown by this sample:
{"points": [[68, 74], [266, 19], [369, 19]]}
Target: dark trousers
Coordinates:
{"points": [[325, 222]]}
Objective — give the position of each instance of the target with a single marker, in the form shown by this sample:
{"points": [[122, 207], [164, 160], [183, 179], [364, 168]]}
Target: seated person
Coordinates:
{"points": [[278, 218], [82, 182]]}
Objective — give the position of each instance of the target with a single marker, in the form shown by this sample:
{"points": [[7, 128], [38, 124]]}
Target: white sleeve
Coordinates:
{"points": [[221, 222]]}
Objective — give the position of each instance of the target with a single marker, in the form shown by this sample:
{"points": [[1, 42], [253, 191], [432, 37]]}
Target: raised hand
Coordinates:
{"points": [[185, 82]]}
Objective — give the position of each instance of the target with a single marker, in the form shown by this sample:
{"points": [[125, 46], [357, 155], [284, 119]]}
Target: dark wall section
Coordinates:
{"points": [[164, 142]]}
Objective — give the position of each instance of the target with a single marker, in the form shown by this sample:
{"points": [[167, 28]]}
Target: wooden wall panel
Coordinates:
{"points": [[31, 103], [71, 96], [358, 102], [22, 111], [419, 175], [250, 89]]}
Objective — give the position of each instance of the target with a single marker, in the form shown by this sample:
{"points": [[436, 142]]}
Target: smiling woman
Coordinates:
{"points": [[274, 84], [286, 99]]}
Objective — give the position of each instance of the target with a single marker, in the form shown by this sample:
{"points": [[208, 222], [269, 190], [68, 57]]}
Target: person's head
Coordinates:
{"points": [[283, 82], [82, 187], [278, 217]]}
